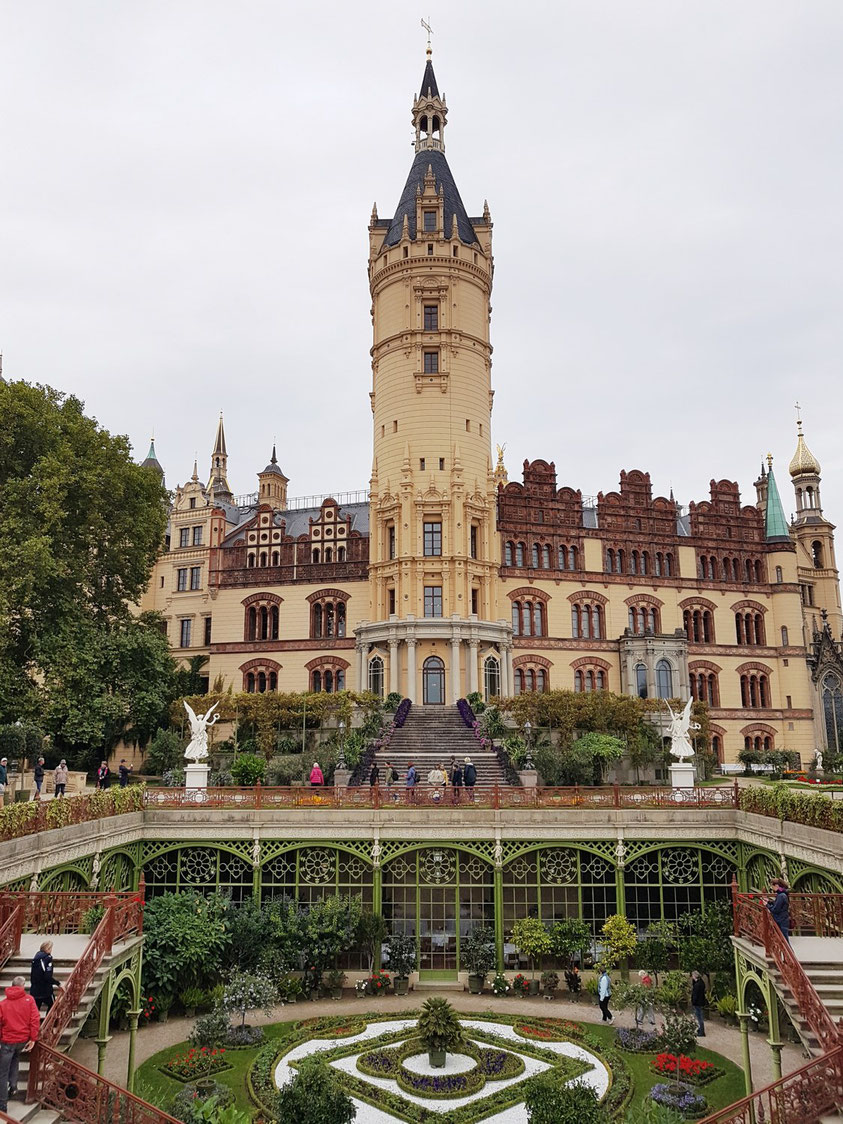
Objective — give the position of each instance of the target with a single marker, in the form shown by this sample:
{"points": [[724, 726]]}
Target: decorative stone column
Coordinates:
{"points": [[743, 1019], [472, 666], [102, 1043], [393, 666], [506, 669], [411, 670], [362, 685], [455, 668], [130, 1065]]}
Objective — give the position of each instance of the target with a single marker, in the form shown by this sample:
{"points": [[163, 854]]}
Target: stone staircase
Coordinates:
{"points": [[433, 735]]}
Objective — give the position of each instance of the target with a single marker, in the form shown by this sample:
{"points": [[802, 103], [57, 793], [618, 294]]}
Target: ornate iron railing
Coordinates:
{"points": [[60, 912], [10, 933], [20, 820], [803, 1097], [483, 796], [76, 1093]]}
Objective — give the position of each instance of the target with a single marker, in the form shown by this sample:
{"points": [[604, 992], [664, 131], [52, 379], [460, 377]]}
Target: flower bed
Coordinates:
{"points": [[636, 1041], [336, 1026], [681, 1098], [196, 1063], [548, 1030], [492, 1065], [693, 1070]]}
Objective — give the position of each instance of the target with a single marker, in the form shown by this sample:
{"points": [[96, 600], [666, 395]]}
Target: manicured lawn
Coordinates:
{"points": [[154, 1086]]}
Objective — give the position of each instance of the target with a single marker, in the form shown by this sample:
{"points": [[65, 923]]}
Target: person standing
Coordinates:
{"points": [[102, 775], [60, 778], [411, 782], [469, 776], [123, 772], [604, 994], [316, 777], [391, 775], [4, 779], [436, 780], [698, 1001], [19, 1027], [456, 782], [41, 981], [779, 907], [374, 775], [645, 1008], [38, 774]]}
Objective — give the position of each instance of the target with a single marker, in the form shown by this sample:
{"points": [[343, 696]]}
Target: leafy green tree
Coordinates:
{"points": [[289, 921], [621, 940], [188, 677], [331, 927], [549, 1102], [185, 941], [314, 1096], [80, 527], [655, 951], [704, 940], [569, 937], [253, 933], [477, 951], [439, 1027], [371, 932], [530, 936], [248, 769], [165, 751], [247, 991]]}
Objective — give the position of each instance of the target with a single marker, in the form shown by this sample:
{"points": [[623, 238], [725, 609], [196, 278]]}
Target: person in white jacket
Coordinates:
{"points": [[604, 994]]}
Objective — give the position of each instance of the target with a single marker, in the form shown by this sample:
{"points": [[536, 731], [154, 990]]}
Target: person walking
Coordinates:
{"points": [[123, 772], [60, 778], [19, 1027], [4, 779], [316, 777], [698, 1001], [779, 907], [41, 981], [411, 782], [456, 781], [102, 775], [604, 994], [38, 774], [645, 1007], [469, 776]]}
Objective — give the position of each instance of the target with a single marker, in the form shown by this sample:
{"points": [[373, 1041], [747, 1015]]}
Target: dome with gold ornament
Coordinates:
{"points": [[804, 462]]}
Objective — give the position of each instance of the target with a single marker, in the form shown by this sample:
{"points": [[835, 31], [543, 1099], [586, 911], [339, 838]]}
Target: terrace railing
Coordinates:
{"points": [[422, 796], [31, 817], [63, 911], [803, 1097]]}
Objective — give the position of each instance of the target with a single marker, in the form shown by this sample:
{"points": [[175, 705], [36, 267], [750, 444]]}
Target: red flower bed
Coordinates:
{"points": [[196, 1063], [693, 1070], [548, 1030]]}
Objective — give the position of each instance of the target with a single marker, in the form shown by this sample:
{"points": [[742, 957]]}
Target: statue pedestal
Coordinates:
{"points": [[682, 774], [341, 777], [196, 775], [529, 778]]}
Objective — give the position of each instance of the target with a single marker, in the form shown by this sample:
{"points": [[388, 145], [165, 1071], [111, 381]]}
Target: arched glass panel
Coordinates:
{"points": [[328, 680], [519, 681], [664, 680], [341, 618], [516, 618], [508, 554], [376, 676], [274, 622], [519, 554], [433, 681], [317, 681], [537, 619], [641, 680], [339, 683], [491, 677], [578, 681], [317, 620], [541, 680], [250, 683]]}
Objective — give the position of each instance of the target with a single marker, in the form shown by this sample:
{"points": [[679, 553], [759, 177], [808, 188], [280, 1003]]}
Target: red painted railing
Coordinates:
{"points": [[59, 1083], [424, 796], [10, 933], [803, 1097], [53, 913]]}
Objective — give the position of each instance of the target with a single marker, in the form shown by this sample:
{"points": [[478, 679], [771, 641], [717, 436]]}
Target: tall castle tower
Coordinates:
{"points": [[434, 550], [814, 534]]}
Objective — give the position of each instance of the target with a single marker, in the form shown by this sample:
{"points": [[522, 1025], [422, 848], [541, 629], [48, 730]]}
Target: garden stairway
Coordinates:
{"points": [[433, 735]]}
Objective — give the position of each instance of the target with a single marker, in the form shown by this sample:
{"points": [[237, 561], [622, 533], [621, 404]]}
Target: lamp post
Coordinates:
{"points": [[528, 759], [341, 751]]}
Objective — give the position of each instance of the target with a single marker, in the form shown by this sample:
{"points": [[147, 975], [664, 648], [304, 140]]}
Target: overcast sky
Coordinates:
{"points": [[186, 188]]}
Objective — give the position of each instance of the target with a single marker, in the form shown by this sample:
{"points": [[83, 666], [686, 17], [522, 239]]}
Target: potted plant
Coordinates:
{"points": [[401, 955], [520, 985], [163, 1003], [190, 999], [550, 982], [378, 983], [500, 984], [533, 940], [333, 982], [477, 952], [439, 1029], [291, 989]]}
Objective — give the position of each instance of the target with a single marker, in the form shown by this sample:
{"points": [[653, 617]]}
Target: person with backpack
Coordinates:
{"points": [[392, 778], [411, 782], [456, 781], [469, 776]]}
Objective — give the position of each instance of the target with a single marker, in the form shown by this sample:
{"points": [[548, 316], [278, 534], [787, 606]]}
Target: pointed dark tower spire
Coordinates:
{"points": [[428, 88], [152, 461], [218, 484]]}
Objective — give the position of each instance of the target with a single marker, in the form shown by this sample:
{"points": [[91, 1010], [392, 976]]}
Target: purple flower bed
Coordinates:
{"points": [[435, 1086], [466, 713], [401, 713], [638, 1041], [681, 1098], [382, 1063]]}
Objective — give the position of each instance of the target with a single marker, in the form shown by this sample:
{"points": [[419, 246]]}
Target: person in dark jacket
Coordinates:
{"points": [[38, 774], [456, 782], [102, 775], [698, 1001], [374, 776], [123, 773], [4, 779], [469, 776], [41, 981], [779, 907]]}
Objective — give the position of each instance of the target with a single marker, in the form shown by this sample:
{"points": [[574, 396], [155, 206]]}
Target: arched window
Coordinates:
{"points": [[340, 554], [717, 747], [433, 681], [341, 618], [668, 565], [832, 696], [562, 558], [641, 680], [315, 555], [328, 554], [261, 682], [545, 557], [519, 554], [508, 552], [601, 680], [529, 618], [659, 563], [817, 554], [519, 681], [276, 558], [316, 618], [491, 677], [252, 623], [610, 561], [530, 679], [779, 575], [589, 681], [633, 562], [578, 681], [758, 571], [250, 683], [785, 640], [541, 680], [516, 617], [250, 561], [645, 562], [535, 556], [620, 559], [376, 676], [727, 569], [329, 618], [263, 558], [538, 619], [273, 681], [575, 620], [572, 558], [664, 680], [328, 681], [316, 681]]}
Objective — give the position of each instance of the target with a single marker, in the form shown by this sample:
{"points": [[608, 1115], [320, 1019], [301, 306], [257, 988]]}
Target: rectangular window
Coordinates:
{"points": [[430, 249], [195, 577], [441, 464], [433, 600], [184, 536], [432, 539], [391, 602], [473, 540], [429, 221], [431, 362], [197, 536], [184, 634], [181, 579], [395, 426], [390, 535], [475, 601], [193, 501], [422, 463], [207, 630], [431, 318]]}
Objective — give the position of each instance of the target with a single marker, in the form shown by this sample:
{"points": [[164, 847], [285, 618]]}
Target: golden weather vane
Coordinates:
{"points": [[426, 25], [798, 409]]}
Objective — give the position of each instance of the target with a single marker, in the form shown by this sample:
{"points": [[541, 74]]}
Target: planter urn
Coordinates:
{"points": [[436, 1058], [475, 984], [534, 987], [401, 985]]}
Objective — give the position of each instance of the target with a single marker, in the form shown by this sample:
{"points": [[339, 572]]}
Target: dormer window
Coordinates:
{"points": [[430, 221]]}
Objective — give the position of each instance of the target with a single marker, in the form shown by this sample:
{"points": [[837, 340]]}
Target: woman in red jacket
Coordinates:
{"points": [[19, 1026]]}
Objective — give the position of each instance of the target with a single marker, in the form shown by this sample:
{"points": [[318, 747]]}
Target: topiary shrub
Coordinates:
{"points": [[679, 1034], [314, 1096], [548, 1102], [248, 769]]}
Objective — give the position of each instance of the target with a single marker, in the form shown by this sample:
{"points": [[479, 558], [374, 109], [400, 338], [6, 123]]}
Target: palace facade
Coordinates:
{"points": [[445, 577]]}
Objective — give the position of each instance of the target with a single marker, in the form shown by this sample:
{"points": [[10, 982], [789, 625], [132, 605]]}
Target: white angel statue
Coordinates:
{"points": [[680, 725], [197, 749]]}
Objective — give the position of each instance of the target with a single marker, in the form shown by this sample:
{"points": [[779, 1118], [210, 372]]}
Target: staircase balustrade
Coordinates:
{"points": [[803, 1097], [60, 912], [10, 933]]}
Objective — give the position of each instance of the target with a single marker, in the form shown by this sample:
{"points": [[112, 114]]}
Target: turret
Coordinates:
{"points": [[272, 485], [151, 460], [218, 484]]}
